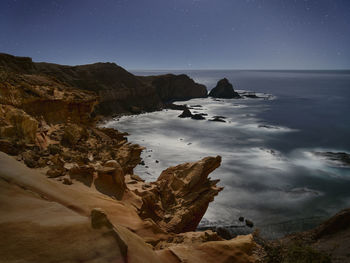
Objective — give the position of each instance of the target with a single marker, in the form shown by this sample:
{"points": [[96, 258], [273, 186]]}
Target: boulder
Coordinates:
{"points": [[111, 180], [73, 133], [55, 172], [30, 159], [224, 90], [82, 173]]}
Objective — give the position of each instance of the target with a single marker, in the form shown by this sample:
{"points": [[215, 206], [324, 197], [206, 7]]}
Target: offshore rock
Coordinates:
{"points": [[224, 90]]}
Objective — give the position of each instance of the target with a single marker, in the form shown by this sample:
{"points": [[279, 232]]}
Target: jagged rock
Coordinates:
{"points": [[111, 180], [185, 114], [179, 198], [15, 123], [224, 90], [128, 156]]}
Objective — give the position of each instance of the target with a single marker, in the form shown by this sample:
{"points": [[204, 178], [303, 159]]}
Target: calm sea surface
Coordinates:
{"points": [[268, 170]]}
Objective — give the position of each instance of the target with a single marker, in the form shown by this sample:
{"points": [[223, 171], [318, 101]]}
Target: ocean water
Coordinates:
{"points": [[269, 172]]}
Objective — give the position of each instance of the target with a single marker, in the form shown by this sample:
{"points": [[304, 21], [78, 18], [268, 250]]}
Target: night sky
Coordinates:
{"points": [[180, 34]]}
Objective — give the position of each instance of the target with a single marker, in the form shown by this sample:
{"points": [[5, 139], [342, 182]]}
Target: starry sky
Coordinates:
{"points": [[180, 34]]}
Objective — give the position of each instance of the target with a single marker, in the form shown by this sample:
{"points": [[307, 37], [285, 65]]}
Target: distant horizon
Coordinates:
{"points": [[178, 69]]}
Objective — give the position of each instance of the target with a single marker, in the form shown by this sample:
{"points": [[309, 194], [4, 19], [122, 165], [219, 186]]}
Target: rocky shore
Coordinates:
{"points": [[68, 188]]}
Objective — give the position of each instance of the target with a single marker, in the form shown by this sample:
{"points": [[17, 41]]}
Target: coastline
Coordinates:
{"points": [[90, 183]]}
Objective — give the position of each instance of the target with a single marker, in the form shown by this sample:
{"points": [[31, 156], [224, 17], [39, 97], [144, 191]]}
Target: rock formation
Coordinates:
{"points": [[26, 84], [175, 87], [179, 198], [224, 90]]}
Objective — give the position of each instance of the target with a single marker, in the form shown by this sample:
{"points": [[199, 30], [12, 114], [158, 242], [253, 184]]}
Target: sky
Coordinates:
{"points": [[180, 34]]}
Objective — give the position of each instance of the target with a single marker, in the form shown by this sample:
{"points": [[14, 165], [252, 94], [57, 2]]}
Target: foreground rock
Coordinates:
{"points": [[224, 90], [179, 198], [54, 222]]}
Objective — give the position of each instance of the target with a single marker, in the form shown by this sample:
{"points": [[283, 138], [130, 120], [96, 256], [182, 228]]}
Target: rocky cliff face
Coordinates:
{"points": [[42, 96], [175, 87], [118, 90]]}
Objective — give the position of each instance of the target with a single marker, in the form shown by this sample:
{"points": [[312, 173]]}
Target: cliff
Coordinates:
{"points": [[118, 90], [68, 191], [175, 87]]}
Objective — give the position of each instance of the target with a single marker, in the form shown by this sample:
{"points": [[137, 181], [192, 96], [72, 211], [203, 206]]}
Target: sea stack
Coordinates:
{"points": [[224, 90]]}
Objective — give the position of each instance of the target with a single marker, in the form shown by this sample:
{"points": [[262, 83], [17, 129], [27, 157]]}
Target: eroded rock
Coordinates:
{"points": [[179, 198]]}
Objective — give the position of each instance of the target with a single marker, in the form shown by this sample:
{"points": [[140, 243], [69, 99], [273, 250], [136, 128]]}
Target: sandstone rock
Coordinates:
{"points": [[111, 181], [82, 173], [15, 123], [99, 219], [30, 159], [224, 90], [67, 181], [55, 172], [181, 195], [73, 133], [128, 156]]}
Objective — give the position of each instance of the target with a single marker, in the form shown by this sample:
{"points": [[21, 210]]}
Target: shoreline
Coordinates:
{"points": [[90, 184]]}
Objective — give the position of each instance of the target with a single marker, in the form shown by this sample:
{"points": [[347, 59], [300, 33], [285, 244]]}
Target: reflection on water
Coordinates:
{"points": [[268, 171]]}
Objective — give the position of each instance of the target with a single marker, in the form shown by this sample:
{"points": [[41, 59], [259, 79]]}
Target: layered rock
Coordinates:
{"points": [[224, 90], [22, 86], [119, 90], [51, 221], [15, 124], [179, 198]]}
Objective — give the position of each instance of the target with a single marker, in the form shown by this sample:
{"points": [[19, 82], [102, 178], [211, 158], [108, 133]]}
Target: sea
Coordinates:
{"points": [[269, 171]]}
